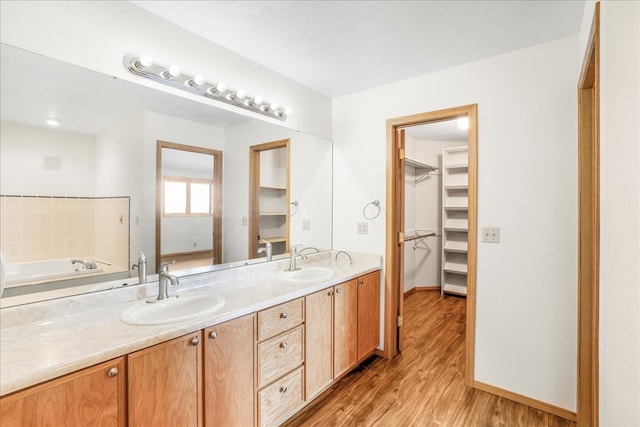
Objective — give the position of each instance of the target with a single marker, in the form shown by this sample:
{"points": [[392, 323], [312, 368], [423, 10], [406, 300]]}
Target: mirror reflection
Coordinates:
{"points": [[90, 192]]}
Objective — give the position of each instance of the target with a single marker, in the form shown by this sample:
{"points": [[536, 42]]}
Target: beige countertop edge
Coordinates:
{"points": [[18, 371]]}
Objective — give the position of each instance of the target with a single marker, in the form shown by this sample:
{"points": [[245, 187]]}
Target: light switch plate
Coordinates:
{"points": [[363, 228], [306, 225], [491, 234]]}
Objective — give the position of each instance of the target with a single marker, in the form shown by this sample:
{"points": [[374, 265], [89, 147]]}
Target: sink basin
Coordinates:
{"points": [[308, 274], [175, 309]]}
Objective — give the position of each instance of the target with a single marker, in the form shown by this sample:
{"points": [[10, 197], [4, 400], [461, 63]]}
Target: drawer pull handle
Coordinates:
{"points": [[283, 315], [213, 335], [283, 389], [113, 372], [283, 344], [195, 342], [339, 290]]}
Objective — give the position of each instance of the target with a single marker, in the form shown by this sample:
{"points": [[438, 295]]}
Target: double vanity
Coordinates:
{"points": [[238, 347]]}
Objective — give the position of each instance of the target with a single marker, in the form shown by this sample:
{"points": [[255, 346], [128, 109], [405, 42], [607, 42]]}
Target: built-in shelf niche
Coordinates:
{"points": [[455, 219]]}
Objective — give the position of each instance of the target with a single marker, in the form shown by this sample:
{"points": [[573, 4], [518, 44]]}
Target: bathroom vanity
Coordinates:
{"points": [[273, 346]]}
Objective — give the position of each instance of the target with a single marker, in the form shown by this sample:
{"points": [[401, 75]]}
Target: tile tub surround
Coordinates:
{"points": [[45, 340]]}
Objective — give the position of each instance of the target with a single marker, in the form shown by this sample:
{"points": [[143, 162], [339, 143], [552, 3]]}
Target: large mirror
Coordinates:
{"points": [[82, 192]]}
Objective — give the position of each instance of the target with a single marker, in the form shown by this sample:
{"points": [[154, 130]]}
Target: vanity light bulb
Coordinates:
{"points": [[146, 61], [257, 100], [288, 111], [221, 87], [240, 94], [198, 79], [273, 106], [53, 122], [174, 70]]}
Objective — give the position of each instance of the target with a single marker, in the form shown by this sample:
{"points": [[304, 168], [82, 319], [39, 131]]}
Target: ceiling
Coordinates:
{"points": [[35, 88], [342, 47]]}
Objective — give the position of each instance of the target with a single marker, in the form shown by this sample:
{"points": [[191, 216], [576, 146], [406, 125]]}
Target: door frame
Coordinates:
{"points": [[587, 411], [216, 200], [393, 291]]}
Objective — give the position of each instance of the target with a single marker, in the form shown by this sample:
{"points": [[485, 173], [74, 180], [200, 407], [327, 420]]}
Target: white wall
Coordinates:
{"points": [[22, 169], [97, 34], [526, 285], [619, 210]]}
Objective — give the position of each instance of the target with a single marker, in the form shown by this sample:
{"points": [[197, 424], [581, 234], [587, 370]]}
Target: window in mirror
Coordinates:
{"points": [[187, 196]]}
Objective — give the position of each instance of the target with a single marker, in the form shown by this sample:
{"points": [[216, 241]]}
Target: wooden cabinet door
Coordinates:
{"points": [[164, 387], [345, 328], [90, 397], [368, 313], [319, 341], [229, 398]]}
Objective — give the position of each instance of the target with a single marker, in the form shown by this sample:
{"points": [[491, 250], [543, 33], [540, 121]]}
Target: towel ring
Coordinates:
{"points": [[295, 204], [375, 203]]}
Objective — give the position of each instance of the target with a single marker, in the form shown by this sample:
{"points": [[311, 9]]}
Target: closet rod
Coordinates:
{"points": [[419, 236]]}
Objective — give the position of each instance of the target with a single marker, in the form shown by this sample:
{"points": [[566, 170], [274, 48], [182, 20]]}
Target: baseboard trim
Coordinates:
{"points": [[422, 289], [537, 404]]}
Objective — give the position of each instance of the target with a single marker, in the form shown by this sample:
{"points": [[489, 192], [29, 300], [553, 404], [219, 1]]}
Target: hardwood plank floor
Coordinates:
{"points": [[422, 386]]}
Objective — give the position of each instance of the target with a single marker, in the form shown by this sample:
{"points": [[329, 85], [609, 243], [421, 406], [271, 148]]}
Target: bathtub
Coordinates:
{"points": [[38, 271]]}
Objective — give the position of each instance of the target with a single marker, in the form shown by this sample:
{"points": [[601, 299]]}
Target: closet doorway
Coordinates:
{"points": [[433, 211]]}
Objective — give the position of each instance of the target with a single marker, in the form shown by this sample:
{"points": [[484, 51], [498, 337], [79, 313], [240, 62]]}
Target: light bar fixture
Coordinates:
{"points": [[172, 75]]}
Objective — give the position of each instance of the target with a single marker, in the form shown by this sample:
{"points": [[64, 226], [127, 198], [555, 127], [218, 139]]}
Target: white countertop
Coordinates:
{"points": [[45, 340]]}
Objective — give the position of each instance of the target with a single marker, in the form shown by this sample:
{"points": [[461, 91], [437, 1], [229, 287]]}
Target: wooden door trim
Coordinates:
{"points": [[217, 196], [254, 191], [392, 290], [589, 229]]}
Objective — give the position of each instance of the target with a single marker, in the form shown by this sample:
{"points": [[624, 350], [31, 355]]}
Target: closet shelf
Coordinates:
{"points": [[275, 239], [456, 225], [266, 187], [454, 267], [420, 166], [273, 214], [456, 187], [454, 246], [456, 166], [457, 208]]}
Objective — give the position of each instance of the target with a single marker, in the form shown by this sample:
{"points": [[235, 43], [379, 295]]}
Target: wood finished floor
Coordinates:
{"points": [[424, 385]]}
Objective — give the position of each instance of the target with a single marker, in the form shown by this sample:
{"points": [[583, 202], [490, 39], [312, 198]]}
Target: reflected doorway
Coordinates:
{"points": [[188, 205], [269, 184]]}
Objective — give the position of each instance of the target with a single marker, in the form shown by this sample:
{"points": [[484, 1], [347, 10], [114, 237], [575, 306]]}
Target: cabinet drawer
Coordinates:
{"points": [[280, 318], [281, 399], [279, 355]]}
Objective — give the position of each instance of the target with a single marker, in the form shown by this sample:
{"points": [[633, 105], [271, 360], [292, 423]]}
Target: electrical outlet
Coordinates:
{"points": [[363, 228], [491, 234], [306, 225]]}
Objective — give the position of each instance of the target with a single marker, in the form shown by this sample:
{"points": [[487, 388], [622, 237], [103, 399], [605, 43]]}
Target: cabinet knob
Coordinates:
{"points": [[283, 315], [339, 290], [283, 389], [113, 372], [360, 282], [213, 335], [283, 344], [195, 341]]}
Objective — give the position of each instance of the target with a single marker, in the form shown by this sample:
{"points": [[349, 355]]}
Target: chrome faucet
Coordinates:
{"points": [[295, 253], [347, 254], [163, 278], [268, 249], [87, 265]]}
